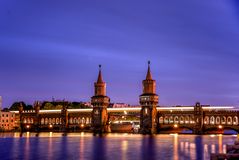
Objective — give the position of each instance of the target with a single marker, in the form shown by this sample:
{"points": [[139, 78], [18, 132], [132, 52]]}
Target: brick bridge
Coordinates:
{"points": [[150, 117], [199, 119]]}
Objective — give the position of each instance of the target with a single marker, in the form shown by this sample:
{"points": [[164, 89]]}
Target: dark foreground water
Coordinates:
{"points": [[111, 146]]}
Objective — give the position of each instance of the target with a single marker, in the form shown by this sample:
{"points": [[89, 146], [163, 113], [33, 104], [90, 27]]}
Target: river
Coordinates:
{"points": [[114, 146]]}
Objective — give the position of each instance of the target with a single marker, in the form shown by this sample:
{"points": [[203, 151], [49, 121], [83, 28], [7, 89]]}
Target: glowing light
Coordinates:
{"points": [[28, 126], [125, 112], [50, 126], [220, 127], [82, 125], [175, 126]]}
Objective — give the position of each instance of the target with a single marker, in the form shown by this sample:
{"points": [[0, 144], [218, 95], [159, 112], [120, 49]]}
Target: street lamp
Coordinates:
{"points": [[175, 126]]}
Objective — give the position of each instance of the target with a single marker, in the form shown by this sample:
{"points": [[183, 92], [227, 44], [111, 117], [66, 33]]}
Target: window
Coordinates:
{"points": [[6, 115], [2, 115], [2, 120]]}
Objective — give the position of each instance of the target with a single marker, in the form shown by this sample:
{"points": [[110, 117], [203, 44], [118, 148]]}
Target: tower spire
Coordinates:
{"points": [[149, 75], [100, 79]]}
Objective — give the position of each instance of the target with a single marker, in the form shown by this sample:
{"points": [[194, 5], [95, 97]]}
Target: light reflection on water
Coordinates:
{"points": [[111, 146]]}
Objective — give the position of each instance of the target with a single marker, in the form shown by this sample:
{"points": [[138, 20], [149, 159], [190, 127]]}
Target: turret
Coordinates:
{"points": [[148, 101], [100, 103]]}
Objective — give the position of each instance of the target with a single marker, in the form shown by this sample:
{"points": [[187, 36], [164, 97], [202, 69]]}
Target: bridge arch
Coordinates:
{"points": [[223, 120], [87, 120], [79, 120], [206, 120], [83, 120], [217, 120], [70, 120], [229, 120], [53, 120], [50, 121], [75, 121], [181, 121], [42, 120], [212, 120], [176, 119], [186, 119], [235, 120], [46, 120], [161, 119], [166, 120], [57, 121], [171, 119]]}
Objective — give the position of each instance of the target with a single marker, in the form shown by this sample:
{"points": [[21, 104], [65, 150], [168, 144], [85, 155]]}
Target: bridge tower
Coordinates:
{"points": [[100, 103], [64, 117], [198, 118], [148, 101], [37, 106]]}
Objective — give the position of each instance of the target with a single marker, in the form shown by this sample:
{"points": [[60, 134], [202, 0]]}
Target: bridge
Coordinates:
{"points": [[169, 119], [149, 117]]}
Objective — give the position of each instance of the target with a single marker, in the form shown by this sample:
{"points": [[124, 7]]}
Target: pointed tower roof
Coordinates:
{"points": [[149, 75], [100, 79]]}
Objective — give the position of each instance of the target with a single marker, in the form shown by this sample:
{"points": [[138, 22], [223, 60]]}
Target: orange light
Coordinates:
{"points": [[175, 126], [28, 126], [50, 126], [220, 127], [82, 125]]}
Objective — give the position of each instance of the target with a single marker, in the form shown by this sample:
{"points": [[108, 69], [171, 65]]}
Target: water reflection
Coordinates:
{"points": [[148, 147], [124, 148], [175, 147], [111, 146], [99, 148]]}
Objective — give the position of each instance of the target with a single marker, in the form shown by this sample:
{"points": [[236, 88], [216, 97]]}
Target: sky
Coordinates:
{"points": [[52, 49]]}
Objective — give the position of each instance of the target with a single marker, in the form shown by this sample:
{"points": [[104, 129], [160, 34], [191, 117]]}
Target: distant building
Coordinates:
{"points": [[7, 121], [119, 105]]}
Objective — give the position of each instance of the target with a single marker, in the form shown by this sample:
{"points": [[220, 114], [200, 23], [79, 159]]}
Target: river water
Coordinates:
{"points": [[111, 146]]}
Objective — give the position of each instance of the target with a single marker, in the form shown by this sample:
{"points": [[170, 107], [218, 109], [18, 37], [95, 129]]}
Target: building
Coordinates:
{"points": [[7, 121]]}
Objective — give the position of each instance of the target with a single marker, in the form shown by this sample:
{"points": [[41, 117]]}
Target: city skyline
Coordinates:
{"points": [[53, 49]]}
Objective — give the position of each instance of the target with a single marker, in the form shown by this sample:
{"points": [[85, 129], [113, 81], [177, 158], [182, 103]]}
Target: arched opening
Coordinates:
{"points": [[166, 120], [28, 120], [235, 120], [187, 119], [206, 120], [75, 120], [217, 120], [192, 119], [181, 121], [79, 120], [46, 121], [212, 120], [53, 120], [176, 119], [160, 120], [24, 120], [223, 120], [57, 120], [70, 120], [42, 120], [229, 120], [50, 121], [83, 120], [87, 120], [171, 119]]}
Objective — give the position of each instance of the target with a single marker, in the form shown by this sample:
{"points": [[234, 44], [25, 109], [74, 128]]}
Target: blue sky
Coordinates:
{"points": [[53, 48]]}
